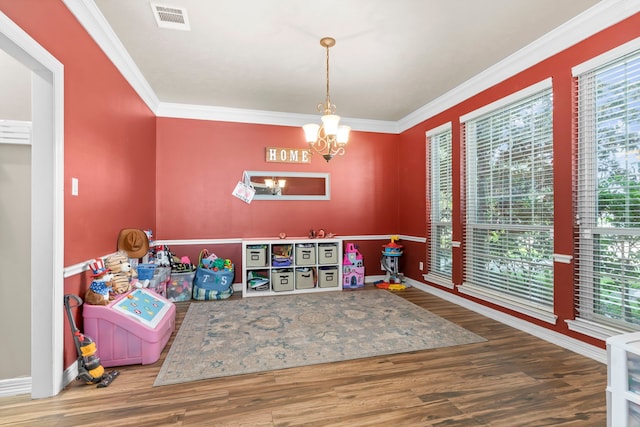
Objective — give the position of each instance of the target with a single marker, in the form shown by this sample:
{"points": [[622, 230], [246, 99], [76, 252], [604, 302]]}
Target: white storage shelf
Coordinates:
{"points": [[292, 265], [623, 384]]}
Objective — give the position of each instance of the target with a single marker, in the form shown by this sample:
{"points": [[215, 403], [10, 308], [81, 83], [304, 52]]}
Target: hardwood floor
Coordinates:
{"points": [[513, 379]]}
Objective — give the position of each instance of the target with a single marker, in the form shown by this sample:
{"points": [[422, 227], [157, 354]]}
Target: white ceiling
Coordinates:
{"points": [[390, 59]]}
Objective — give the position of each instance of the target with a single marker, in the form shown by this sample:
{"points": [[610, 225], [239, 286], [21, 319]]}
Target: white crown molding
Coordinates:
{"points": [[593, 20], [94, 22], [603, 14], [240, 115]]}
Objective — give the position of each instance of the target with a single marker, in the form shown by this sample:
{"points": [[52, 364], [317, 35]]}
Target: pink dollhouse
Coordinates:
{"points": [[352, 268]]}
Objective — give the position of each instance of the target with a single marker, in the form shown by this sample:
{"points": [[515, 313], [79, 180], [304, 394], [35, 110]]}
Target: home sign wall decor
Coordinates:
{"points": [[287, 155]]}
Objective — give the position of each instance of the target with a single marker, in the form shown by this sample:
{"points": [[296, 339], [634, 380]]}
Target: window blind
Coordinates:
{"points": [[509, 209], [608, 194], [441, 198]]}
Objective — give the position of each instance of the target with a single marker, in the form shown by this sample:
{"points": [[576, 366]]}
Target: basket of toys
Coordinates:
{"points": [[214, 277]]}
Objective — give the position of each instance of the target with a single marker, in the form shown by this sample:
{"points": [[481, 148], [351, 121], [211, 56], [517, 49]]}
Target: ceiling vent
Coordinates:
{"points": [[171, 17]]}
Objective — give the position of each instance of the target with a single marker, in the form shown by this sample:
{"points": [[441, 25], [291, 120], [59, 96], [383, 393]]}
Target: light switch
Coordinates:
{"points": [[74, 186]]}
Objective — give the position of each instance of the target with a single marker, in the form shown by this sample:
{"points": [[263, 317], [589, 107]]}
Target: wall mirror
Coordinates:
{"points": [[270, 185]]}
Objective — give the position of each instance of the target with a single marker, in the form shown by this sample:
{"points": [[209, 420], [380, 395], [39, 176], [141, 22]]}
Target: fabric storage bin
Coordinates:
{"points": [[328, 277], [181, 286], [282, 280], [212, 285], [305, 278], [305, 254], [327, 253], [256, 256]]}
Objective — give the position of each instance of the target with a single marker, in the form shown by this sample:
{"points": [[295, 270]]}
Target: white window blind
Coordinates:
{"points": [[441, 200], [509, 214], [608, 194]]}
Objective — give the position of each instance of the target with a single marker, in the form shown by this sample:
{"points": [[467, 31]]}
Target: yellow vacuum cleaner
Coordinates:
{"points": [[89, 368]]}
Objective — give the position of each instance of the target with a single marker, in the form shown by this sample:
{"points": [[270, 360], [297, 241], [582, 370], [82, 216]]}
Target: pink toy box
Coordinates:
{"points": [[133, 329], [352, 268]]}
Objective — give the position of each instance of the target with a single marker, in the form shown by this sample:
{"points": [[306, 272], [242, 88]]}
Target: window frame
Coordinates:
{"points": [[587, 320], [434, 173], [544, 312]]}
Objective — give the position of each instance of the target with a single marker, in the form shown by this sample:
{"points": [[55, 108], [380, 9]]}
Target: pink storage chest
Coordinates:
{"points": [[133, 329]]}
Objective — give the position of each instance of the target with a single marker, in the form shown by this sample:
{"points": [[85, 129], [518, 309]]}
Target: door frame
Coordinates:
{"points": [[47, 207]]}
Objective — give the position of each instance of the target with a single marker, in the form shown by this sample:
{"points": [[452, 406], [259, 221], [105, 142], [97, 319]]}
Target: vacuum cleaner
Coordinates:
{"points": [[90, 371]]}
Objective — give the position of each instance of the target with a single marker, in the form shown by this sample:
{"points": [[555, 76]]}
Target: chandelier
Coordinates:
{"points": [[276, 185], [329, 138]]}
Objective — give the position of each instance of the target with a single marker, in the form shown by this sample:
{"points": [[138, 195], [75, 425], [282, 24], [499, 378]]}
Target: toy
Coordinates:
{"points": [[122, 272], [390, 286], [97, 267], [162, 258], [352, 268], [89, 368], [97, 293], [391, 252]]}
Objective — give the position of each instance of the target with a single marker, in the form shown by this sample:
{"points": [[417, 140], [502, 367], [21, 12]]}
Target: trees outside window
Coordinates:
{"points": [[608, 196], [509, 212]]}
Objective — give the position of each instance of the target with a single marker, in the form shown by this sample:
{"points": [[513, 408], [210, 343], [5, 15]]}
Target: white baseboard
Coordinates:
{"points": [[577, 346], [18, 386], [70, 374], [15, 386]]}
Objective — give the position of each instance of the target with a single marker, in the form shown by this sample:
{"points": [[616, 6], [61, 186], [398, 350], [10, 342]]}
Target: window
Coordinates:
{"points": [[509, 212], [608, 193], [441, 199]]}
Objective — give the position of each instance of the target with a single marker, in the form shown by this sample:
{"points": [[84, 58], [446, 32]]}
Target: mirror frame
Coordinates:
{"points": [[327, 184]]}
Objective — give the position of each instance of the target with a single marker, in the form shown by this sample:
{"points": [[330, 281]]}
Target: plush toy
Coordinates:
{"points": [[118, 264], [162, 258], [97, 294], [97, 268], [218, 264]]}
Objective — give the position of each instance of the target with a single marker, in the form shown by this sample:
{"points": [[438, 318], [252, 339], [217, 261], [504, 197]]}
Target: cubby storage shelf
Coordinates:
{"points": [[291, 266], [623, 385]]}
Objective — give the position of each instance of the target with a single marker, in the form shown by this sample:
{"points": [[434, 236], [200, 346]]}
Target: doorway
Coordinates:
{"points": [[47, 206]]}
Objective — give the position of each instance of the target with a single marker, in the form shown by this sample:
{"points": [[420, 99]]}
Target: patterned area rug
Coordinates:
{"points": [[223, 338]]}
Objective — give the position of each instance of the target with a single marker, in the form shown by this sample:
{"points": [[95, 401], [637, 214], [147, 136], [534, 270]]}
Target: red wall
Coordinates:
{"points": [[109, 141], [175, 176], [200, 162], [412, 218]]}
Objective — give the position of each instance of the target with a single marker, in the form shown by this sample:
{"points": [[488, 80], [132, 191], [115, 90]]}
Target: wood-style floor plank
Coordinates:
{"points": [[512, 379]]}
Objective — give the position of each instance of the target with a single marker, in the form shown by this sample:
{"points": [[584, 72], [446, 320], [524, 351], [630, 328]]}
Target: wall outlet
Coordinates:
{"points": [[421, 265]]}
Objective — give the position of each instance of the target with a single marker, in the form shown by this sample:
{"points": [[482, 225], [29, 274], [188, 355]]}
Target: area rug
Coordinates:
{"points": [[224, 338]]}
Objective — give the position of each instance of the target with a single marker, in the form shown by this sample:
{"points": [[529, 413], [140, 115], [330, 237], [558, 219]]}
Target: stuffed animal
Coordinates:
{"points": [[162, 258], [97, 294], [119, 265], [97, 268]]}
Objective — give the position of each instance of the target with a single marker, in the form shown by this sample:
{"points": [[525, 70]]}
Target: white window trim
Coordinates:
{"points": [[436, 278], [537, 312], [509, 99], [442, 128], [528, 308], [593, 329], [607, 57], [439, 280]]}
